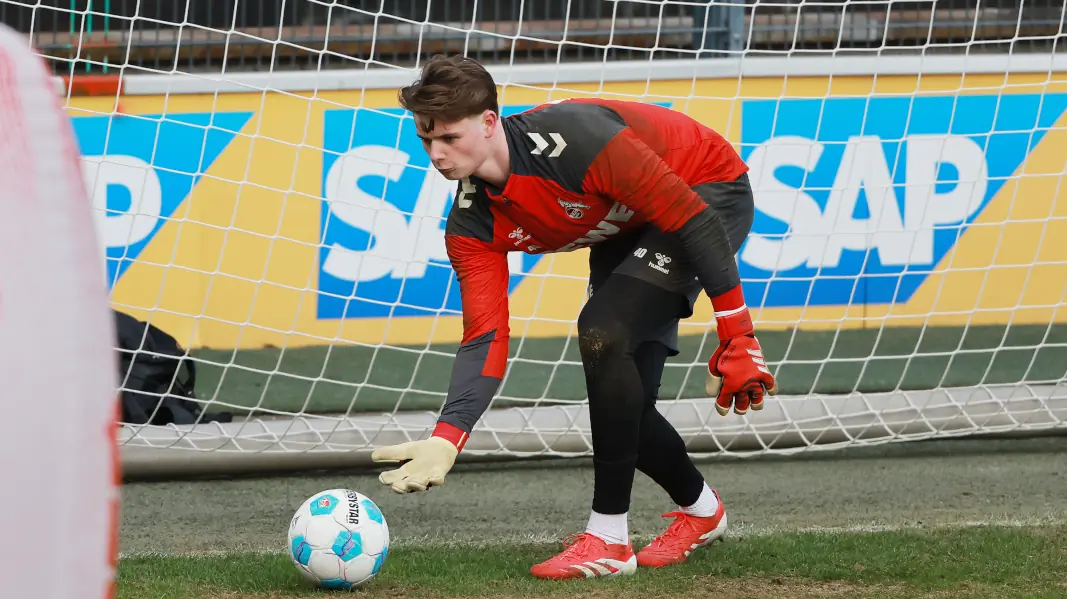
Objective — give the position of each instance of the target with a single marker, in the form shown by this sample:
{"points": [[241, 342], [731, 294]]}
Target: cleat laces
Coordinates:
{"points": [[576, 545], [681, 521]]}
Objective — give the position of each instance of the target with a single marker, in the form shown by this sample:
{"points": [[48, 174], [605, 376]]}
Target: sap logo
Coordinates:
{"points": [[383, 218], [857, 200], [139, 168], [405, 242], [901, 235]]}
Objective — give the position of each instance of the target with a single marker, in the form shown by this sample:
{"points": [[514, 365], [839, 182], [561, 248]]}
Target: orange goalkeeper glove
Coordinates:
{"points": [[738, 376]]}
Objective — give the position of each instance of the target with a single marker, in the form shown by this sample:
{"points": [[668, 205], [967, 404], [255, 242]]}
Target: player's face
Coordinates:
{"points": [[457, 149]]}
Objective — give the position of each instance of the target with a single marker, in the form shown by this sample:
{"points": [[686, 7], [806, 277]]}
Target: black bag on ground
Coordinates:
{"points": [[157, 379]]}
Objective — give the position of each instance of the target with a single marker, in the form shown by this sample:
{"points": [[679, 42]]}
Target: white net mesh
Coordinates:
{"points": [[263, 200]]}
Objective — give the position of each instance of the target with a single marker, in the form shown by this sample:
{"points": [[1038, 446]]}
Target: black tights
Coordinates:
{"points": [[622, 377]]}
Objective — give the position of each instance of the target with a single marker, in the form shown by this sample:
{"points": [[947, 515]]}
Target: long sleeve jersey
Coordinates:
{"points": [[582, 171]]}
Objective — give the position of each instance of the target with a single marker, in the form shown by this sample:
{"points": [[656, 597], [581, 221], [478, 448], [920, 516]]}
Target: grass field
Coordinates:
{"points": [[973, 562], [964, 518]]}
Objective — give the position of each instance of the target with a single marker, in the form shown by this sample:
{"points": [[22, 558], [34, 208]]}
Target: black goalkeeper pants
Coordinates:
{"points": [[639, 290]]}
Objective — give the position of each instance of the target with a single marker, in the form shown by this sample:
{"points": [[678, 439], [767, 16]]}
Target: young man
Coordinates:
{"points": [[663, 203]]}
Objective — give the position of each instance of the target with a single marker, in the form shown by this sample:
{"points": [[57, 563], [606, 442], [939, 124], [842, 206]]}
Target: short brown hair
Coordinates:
{"points": [[450, 88]]}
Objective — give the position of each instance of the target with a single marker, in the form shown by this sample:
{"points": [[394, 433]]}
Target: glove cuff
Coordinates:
{"points": [[731, 315], [451, 433]]}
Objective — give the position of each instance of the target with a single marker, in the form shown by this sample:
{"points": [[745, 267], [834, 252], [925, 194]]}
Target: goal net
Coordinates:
{"points": [[262, 199]]}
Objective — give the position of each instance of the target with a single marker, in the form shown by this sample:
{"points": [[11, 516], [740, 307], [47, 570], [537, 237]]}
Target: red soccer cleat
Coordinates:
{"points": [[586, 556], [685, 534]]}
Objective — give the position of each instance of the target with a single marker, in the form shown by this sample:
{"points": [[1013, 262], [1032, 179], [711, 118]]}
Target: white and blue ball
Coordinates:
{"points": [[338, 539]]}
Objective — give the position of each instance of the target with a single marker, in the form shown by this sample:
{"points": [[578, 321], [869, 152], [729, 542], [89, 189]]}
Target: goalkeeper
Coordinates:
{"points": [[663, 203]]}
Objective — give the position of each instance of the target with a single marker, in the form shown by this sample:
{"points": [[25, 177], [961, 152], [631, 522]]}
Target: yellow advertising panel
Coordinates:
{"points": [[290, 219]]}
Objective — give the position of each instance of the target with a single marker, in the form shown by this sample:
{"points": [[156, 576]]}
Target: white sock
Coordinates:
{"points": [[706, 504], [613, 529]]}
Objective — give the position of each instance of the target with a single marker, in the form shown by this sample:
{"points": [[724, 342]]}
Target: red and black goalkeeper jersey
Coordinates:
{"points": [[582, 171]]}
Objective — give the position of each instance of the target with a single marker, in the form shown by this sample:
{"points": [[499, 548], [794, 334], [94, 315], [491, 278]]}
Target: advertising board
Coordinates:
{"points": [[290, 219]]}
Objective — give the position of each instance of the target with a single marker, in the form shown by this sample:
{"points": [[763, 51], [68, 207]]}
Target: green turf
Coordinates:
{"points": [[967, 562], [355, 379]]}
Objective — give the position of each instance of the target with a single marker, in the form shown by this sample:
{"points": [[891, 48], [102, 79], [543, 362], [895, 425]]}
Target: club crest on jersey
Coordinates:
{"points": [[573, 209], [607, 227]]}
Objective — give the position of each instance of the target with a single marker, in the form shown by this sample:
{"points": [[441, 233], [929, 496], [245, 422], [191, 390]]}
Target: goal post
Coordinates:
{"points": [[905, 270], [59, 448]]}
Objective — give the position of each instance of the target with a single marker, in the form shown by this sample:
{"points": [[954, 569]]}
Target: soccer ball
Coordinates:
{"points": [[338, 539]]}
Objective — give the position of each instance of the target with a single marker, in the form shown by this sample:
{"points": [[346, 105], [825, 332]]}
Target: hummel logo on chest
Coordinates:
{"points": [[520, 237]]}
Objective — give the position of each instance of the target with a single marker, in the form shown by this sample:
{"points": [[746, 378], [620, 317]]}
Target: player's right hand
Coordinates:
{"points": [[424, 463], [738, 376]]}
